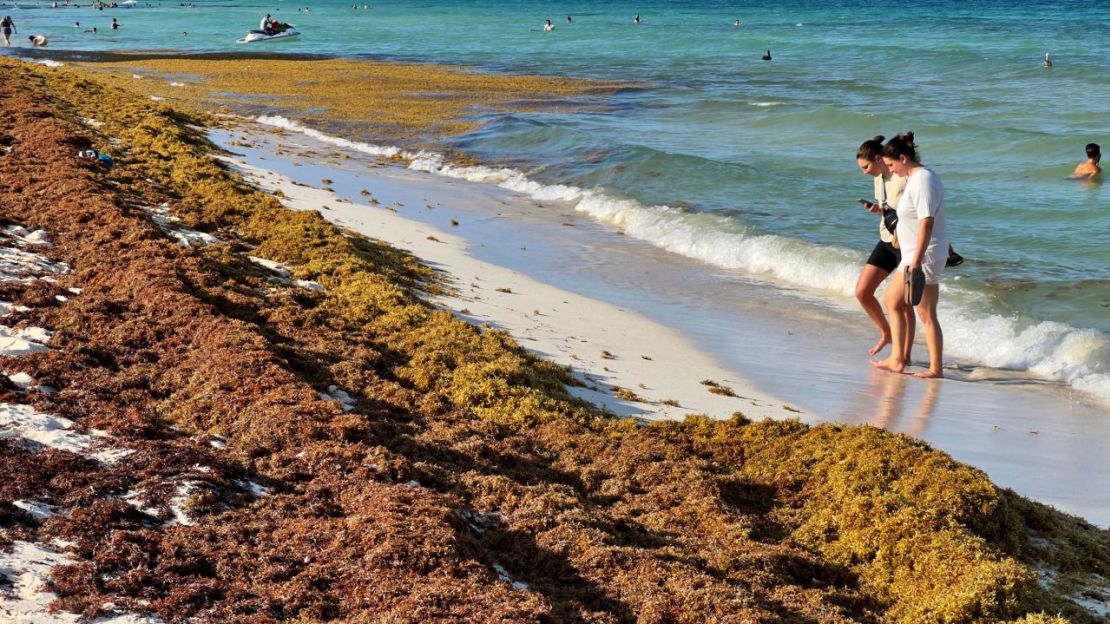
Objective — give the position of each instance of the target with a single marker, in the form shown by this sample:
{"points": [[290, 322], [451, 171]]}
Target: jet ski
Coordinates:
{"points": [[259, 35]]}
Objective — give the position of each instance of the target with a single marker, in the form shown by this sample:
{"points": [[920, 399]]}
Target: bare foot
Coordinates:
{"points": [[888, 364], [883, 341], [929, 374]]}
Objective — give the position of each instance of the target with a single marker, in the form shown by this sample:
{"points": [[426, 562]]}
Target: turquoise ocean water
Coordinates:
{"points": [[749, 166]]}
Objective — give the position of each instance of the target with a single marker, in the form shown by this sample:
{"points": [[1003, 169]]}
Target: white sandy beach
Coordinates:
{"points": [[609, 348]]}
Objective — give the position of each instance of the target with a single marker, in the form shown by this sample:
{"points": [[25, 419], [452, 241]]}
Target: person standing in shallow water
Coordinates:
{"points": [[7, 26], [923, 237], [886, 256]]}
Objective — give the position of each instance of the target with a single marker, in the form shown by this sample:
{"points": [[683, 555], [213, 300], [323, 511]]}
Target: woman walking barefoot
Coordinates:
{"points": [[886, 256], [923, 236]]}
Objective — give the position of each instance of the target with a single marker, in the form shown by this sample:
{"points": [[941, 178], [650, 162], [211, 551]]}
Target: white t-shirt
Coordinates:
{"points": [[923, 198]]}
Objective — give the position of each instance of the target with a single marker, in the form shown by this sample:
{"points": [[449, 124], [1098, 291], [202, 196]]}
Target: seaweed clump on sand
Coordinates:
{"points": [[420, 468]]}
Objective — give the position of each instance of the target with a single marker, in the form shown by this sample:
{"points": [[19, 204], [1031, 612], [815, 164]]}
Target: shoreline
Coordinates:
{"points": [[985, 343], [1033, 439], [602, 343]]}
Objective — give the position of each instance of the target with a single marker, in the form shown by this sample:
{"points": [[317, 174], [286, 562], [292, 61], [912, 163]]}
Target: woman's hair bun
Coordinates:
{"points": [[902, 145]]}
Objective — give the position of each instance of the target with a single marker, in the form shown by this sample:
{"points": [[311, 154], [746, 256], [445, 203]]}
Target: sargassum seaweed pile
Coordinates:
{"points": [[318, 443]]}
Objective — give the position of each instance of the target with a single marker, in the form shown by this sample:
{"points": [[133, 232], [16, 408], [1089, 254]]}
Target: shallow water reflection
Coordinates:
{"points": [[892, 408]]}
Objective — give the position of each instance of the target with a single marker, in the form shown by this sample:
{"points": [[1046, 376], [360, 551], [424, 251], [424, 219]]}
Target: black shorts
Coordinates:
{"points": [[7, 32], [885, 256]]}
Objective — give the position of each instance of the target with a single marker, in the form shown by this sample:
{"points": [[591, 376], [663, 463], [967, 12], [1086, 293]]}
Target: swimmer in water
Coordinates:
{"points": [[548, 26], [115, 24], [636, 20], [569, 21], [1089, 169], [38, 41], [767, 56], [736, 24], [1047, 61]]}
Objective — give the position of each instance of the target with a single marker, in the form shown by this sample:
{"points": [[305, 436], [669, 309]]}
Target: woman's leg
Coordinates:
{"points": [[934, 338], [896, 306], [869, 279]]}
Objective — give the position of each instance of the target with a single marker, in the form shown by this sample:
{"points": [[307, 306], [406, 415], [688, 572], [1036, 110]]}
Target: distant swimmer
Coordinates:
{"points": [[636, 20], [115, 24], [76, 24], [93, 30], [736, 24], [6, 27], [38, 41], [1047, 61], [548, 26], [767, 56], [569, 21], [1089, 168]]}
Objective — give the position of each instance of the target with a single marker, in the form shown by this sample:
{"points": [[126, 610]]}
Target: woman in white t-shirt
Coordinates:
{"points": [[923, 238], [885, 257]]}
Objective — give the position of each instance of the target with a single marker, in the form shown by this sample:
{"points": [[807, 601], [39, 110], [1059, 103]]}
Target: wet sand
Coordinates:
{"points": [[1040, 440]]}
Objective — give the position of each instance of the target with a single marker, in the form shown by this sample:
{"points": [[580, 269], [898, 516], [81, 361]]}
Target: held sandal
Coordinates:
{"points": [[915, 286]]}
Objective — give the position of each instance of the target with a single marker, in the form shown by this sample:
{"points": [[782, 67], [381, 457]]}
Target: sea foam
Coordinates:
{"points": [[974, 334]]}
